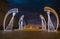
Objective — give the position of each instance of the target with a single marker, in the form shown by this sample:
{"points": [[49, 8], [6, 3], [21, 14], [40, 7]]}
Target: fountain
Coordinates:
{"points": [[43, 22], [21, 22], [10, 25]]}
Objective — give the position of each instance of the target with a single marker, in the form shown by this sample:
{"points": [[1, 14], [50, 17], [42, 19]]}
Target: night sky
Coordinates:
{"points": [[33, 8]]}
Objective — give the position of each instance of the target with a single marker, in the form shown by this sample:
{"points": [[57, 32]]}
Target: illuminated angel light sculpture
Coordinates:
{"points": [[10, 25], [50, 24], [43, 22], [21, 22]]}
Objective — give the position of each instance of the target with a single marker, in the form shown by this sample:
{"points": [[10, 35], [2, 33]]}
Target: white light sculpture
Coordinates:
{"points": [[10, 25]]}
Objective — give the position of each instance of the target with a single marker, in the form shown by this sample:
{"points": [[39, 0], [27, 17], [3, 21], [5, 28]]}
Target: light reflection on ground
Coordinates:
{"points": [[29, 35]]}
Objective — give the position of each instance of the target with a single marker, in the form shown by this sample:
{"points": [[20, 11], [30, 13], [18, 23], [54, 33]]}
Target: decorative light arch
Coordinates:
{"points": [[53, 12], [13, 11]]}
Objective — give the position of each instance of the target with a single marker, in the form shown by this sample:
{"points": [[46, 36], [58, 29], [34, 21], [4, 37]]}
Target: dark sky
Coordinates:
{"points": [[33, 8], [33, 5]]}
